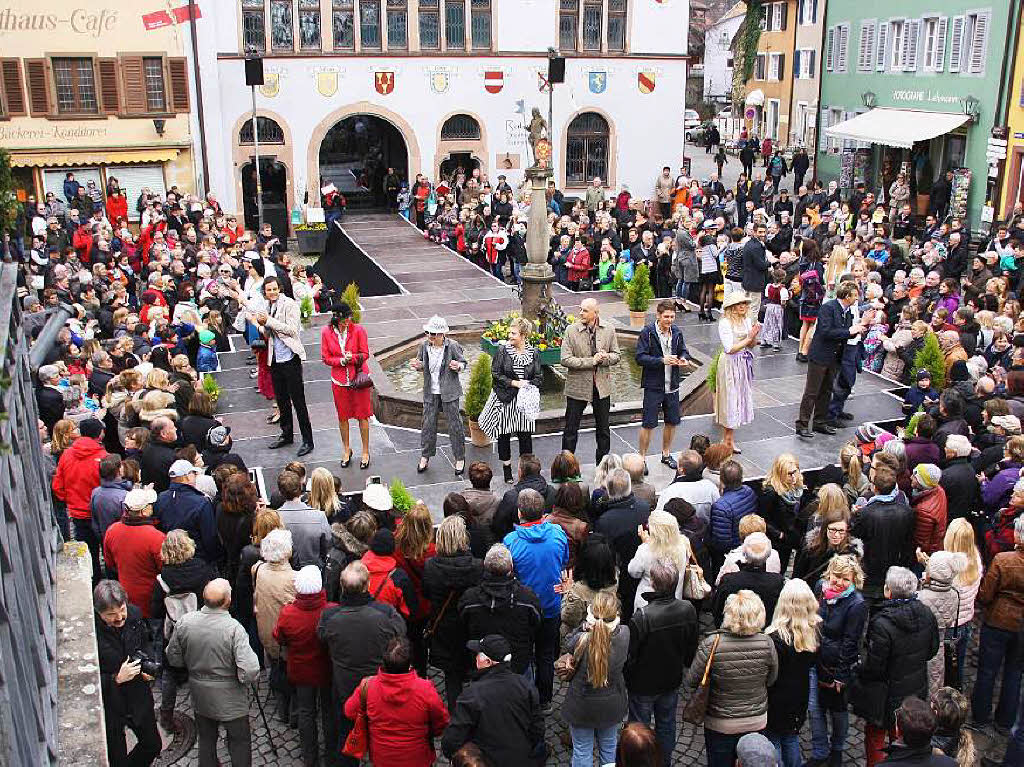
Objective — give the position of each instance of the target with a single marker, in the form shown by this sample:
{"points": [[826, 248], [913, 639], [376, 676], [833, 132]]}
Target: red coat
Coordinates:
{"points": [[308, 661], [382, 587], [579, 263], [78, 473], [406, 714], [81, 241], [999, 537], [414, 569], [930, 512], [117, 207], [330, 352], [132, 548]]}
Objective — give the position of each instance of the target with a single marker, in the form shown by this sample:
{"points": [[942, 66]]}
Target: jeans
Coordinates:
{"points": [[546, 652], [307, 700], [574, 414], [821, 746], [787, 748], [998, 648], [721, 748], [289, 390], [663, 707], [239, 741], [583, 744], [85, 534]]}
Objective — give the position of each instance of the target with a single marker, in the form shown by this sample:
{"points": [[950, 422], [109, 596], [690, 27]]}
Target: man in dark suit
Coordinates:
{"points": [[48, 396], [755, 267], [835, 326]]}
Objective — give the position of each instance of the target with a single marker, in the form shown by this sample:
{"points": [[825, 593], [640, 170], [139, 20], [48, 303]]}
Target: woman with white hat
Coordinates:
{"points": [[734, 393], [441, 360]]}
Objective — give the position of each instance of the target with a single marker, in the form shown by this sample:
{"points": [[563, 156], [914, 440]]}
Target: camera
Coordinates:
{"points": [[148, 666]]}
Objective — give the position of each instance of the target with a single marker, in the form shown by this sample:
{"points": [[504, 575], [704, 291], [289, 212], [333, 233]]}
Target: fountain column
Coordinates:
{"points": [[537, 272]]}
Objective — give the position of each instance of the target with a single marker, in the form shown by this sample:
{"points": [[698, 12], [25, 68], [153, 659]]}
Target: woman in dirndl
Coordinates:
{"points": [[509, 409], [345, 350], [734, 392]]}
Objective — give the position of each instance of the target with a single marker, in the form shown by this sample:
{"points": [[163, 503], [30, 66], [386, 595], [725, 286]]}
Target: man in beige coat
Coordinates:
{"points": [[589, 349]]}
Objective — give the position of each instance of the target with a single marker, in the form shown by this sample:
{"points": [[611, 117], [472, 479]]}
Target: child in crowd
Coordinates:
{"points": [[776, 294], [921, 395]]}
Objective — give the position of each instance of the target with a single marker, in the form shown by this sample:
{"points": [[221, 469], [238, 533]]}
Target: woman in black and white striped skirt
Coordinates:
{"points": [[515, 366]]}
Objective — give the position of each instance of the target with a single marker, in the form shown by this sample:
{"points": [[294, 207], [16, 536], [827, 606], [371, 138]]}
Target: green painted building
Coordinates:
{"points": [[913, 87]]}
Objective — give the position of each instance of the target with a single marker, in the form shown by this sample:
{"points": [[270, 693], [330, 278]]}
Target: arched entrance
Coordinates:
{"points": [[356, 153], [274, 180]]}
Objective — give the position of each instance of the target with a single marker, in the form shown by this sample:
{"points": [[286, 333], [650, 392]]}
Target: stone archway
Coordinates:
{"points": [[282, 152], [473, 145], [612, 174], [415, 158]]}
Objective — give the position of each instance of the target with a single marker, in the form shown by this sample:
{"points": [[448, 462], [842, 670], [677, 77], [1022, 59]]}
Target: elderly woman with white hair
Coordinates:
{"points": [[441, 360], [273, 587], [902, 637], [740, 663]]}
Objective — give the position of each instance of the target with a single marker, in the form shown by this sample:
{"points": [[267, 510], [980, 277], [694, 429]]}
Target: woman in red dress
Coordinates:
{"points": [[345, 350]]}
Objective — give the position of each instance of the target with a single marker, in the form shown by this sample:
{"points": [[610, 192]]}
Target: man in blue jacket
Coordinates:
{"points": [[183, 507], [540, 553], [661, 352], [835, 326], [736, 502]]}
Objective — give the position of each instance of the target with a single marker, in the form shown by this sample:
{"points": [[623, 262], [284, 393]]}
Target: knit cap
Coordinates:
{"points": [[308, 580], [928, 474], [944, 566], [755, 750], [1010, 423], [383, 543]]}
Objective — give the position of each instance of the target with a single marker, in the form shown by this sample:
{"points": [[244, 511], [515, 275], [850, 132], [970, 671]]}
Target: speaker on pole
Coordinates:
{"points": [[556, 69], [253, 72]]}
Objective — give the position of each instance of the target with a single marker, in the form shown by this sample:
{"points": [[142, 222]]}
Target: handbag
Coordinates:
{"points": [[362, 379], [695, 587], [431, 627], [357, 744], [696, 707], [951, 672]]}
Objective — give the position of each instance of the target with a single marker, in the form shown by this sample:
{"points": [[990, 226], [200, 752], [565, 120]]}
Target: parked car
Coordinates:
{"points": [[691, 120], [696, 135]]}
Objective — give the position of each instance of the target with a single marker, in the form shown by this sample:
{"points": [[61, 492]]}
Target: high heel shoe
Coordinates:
{"points": [[364, 463], [460, 468], [422, 465], [346, 462]]}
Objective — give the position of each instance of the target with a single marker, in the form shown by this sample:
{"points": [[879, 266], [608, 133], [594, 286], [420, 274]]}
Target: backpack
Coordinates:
{"points": [[176, 605], [811, 289]]}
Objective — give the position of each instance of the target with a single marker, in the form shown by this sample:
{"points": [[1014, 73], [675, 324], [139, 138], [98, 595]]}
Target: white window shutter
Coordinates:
{"points": [[912, 34], [862, 48], [979, 45], [830, 49], [940, 43], [844, 41], [904, 53], [822, 137], [880, 49], [956, 44]]}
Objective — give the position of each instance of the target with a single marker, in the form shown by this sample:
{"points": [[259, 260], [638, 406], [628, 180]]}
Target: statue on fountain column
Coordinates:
{"points": [[540, 141]]}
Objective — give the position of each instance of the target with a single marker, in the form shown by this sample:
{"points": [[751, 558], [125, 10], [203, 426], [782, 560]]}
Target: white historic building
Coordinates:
{"points": [[354, 86], [718, 55]]}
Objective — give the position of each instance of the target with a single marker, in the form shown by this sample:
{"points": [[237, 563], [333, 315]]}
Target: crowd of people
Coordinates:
{"points": [[776, 602]]}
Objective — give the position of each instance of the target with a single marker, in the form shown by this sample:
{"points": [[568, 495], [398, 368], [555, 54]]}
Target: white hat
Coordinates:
{"points": [[308, 580], [436, 324], [377, 497], [182, 468], [139, 498], [736, 297]]}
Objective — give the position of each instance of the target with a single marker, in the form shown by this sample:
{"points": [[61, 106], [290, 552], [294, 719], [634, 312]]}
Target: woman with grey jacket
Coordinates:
{"points": [[441, 360], [685, 267], [596, 702], [743, 667]]}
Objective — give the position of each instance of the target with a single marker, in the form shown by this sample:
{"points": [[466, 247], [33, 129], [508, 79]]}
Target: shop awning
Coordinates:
{"points": [[896, 127], [94, 157], [755, 98]]}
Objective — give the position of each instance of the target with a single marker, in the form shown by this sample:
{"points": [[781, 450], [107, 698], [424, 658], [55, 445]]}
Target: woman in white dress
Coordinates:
{"points": [[734, 393], [508, 410]]}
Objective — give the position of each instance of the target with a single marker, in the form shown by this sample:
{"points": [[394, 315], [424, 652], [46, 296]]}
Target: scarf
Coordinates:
{"points": [[792, 496], [831, 596], [888, 498]]}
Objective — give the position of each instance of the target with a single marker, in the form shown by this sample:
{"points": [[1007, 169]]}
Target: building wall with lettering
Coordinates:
{"points": [[933, 69], [639, 94], [1012, 188]]}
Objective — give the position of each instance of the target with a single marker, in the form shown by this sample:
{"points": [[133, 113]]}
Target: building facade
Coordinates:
{"points": [[806, 73], [1012, 183], [915, 93], [718, 56], [768, 93], [355, 86], [101, 90]]}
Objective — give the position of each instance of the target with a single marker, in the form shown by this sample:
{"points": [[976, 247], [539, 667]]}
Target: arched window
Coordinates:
{"points": [[270, 132], [586, 153], [460, 127]]}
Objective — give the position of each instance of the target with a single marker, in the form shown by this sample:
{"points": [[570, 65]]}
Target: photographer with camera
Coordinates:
{"points": [[126, 667]]}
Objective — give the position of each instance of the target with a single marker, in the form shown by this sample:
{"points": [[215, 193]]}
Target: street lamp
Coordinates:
{"points": [[254, 77], [869, 99], [158, 125], [972, 108]]}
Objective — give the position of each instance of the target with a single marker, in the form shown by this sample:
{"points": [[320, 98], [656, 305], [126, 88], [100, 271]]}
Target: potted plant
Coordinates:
{"points": [[477, 392], [638, 296], [306, 308], [350, 296], [211, 387], [401, 500], [712, 378], [930, 358], [311, 237]]}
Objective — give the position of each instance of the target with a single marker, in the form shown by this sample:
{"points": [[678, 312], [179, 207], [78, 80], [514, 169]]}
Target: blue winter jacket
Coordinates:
{"points": [[540, 551], [182, 507], [726, 514], [107, 504], [206, 361]]}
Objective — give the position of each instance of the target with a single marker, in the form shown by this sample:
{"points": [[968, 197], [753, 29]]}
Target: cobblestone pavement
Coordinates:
{"points": [[181, 750]]}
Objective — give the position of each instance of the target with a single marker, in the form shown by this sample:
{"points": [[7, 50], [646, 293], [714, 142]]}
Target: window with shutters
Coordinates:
{"points": [[12, 93], [586, 149], [156, 94], [759, 67], [269, 132], [866, 49], [480, 24], [830, 49], [309, 25], [369, 24], [956, 44], [803, 64], [775, 66], [568, 24], [617, 25], [880, 46], [897, 34], [911, 43], [933, 43], [74, 82], [778, 17], [842, 47], [592, 13], [430, 24], [253, 28], [808, 12], [455, 24], [975, 42]]}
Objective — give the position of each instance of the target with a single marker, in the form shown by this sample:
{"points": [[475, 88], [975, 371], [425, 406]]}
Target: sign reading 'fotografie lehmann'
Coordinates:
{"points": [[924, 97], [92, 22]]}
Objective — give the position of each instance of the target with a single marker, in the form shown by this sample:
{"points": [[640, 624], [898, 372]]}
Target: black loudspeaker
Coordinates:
{"points": [[556, 69], [253, 72]]}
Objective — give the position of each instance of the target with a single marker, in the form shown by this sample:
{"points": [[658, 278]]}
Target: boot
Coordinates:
{"points": [[507, 468], [167, 719]]}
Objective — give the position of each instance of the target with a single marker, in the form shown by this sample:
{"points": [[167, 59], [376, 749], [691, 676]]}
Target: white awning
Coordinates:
{"points": [[896, 127], [755, 98]]}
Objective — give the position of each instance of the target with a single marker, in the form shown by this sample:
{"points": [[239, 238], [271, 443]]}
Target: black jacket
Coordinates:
{"points": [[155, 462], [507, 514], [787, 698], [755, 266], [193, 430], [842, 625], [114, 647], [831, 333], [618, 524], [662, 643], [445, 580], [191, 575], [963, 493], [785, 529], [502, 606], [503, 374], [51, 406], [887, 529], [922, 756], [766, 585], [499, 712], [902, 637]]}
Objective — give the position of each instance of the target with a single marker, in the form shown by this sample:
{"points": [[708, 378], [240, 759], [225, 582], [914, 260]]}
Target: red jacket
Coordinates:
{"points": [[355, 342], [308, 661], [131, 547], [81, 241], [405, 715], [999, 537], [117, 207], [579, 263], [930, 519], [414, 569], [78, 473], [382, 587]]}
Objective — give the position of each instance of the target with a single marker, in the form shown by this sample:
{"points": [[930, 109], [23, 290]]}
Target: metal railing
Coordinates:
{"points": [[28, 548]]}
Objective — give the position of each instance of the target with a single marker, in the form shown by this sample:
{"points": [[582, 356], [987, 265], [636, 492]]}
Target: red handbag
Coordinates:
{"points": [[357, 744]]}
